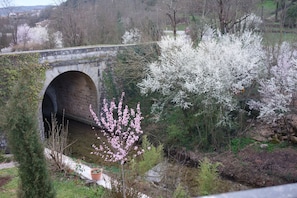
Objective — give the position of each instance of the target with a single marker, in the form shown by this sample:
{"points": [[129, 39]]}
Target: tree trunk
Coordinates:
{"points": [[276, 11], [174, 24], [123, 180], [222, 17], [173, 21]]}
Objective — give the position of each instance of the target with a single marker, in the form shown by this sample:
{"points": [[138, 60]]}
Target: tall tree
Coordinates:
{"points": [[225, 14], [13, 19], [171, 13], [22, 126]]}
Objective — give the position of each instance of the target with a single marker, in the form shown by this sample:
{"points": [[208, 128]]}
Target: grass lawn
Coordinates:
{"points": [[269, 6], [65, 187], [271, 38]]}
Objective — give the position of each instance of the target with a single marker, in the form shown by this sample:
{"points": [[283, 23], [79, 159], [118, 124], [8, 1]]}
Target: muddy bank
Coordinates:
{"points": [[251, 166]]}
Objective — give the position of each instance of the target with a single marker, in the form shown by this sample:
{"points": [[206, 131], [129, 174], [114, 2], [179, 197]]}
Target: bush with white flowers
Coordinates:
{"points": [[250, 22], [217, 70], [31, 35], [203, 84], [276, 91], [132, 36]]}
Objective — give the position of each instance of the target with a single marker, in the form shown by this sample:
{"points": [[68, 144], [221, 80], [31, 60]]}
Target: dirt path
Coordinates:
{"points": [[7, 165]]}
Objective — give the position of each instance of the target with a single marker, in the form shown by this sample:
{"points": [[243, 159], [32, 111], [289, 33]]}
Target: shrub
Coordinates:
{"points": [[180, 192], [151, 157], [132, 36], [116, 191], [208, 178], [57, 141], [278, 89], [205, 82]]}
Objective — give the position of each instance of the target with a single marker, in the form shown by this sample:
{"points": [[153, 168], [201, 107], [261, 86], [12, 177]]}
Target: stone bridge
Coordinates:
{"points": [[74, 80]]}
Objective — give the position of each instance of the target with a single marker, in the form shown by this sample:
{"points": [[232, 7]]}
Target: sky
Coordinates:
{"points": [[34, 2]]}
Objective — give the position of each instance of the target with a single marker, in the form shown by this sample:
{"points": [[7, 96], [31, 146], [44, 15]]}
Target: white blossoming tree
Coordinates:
{"points": [[32, 35], [132, 36], [219, 68], [36, 38], [276, 91], [207, 79], [23, 34], [249, 22]]}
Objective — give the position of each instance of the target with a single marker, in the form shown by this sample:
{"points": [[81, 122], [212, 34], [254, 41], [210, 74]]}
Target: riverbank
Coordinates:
{"points": [[252, 166]]}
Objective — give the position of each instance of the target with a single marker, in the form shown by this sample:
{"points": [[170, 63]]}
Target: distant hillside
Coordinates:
{"points": [[5, 11]]}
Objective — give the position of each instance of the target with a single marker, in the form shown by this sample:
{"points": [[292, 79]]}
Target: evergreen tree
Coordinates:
{"points": [[24, 138]]}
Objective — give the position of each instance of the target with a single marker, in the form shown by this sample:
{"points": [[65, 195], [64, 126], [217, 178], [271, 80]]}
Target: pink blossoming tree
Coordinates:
{"points": [[122, 129]]}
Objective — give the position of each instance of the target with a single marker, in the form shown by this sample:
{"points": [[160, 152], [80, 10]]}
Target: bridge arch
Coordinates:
{"points": [[73, 89]]}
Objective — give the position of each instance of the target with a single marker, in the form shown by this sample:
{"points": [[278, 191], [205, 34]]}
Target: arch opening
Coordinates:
{"points": [[70, 93]]}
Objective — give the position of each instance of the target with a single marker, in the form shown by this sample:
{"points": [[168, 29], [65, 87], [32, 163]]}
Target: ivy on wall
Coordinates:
{"points": [[10, 67]]}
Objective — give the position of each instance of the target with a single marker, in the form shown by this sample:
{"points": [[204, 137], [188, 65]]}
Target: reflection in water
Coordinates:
{"points": [[82, 136]]}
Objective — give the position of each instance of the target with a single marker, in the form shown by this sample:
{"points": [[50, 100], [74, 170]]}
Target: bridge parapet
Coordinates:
{"points": [[282, 191], [81, 54]]}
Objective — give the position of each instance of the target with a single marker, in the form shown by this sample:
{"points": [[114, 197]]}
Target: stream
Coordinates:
{"points": [[81, 136]]}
